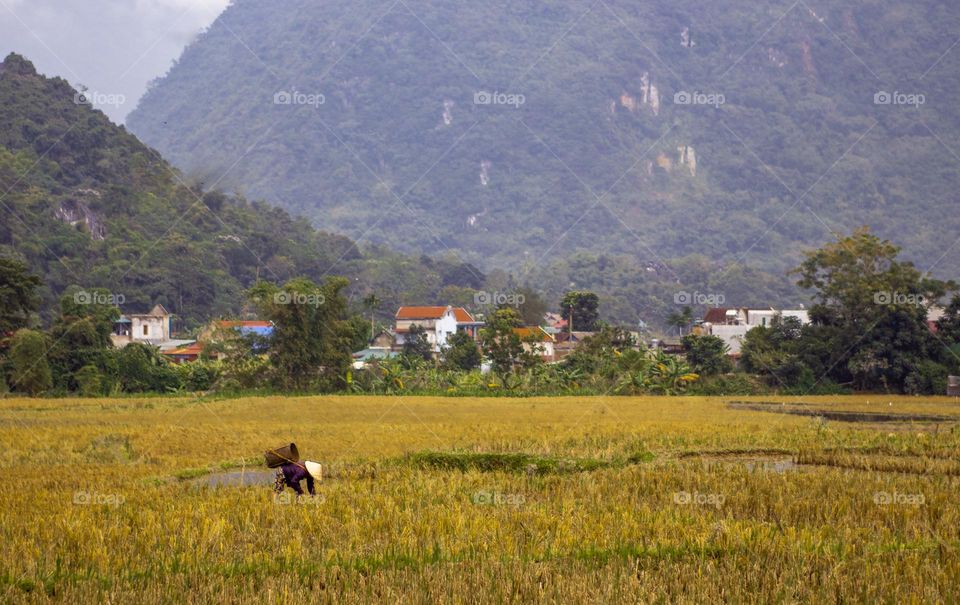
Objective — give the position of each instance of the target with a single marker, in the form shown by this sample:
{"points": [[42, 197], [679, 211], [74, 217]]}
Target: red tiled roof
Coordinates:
{"points": [[433, 313], [538, 332], [716, 315], [245, 324], [194, 349]]}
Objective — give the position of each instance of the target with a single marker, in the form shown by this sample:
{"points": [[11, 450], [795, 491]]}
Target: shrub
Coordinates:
{"points": [[731, 384], [89, 381], [30, 370], [927, 378]]}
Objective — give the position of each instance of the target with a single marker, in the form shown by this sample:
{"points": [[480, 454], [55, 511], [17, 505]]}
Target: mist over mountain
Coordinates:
{"points": [[523, 135]]}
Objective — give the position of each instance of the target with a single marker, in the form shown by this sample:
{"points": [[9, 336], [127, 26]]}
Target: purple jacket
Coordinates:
{"points": [[293, 474]]}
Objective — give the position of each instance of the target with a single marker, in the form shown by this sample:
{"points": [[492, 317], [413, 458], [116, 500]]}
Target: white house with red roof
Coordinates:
{"points": [[438, 322]]}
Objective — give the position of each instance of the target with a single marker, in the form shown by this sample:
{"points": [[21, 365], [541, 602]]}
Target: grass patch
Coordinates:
{"points": [[517, 462]]}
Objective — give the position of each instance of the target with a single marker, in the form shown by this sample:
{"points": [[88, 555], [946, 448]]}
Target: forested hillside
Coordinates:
{"points": [[85, 203], [670, 138]]}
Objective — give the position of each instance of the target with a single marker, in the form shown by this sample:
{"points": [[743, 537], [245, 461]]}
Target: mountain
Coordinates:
{"points": [[542, 137], [85, 203]]}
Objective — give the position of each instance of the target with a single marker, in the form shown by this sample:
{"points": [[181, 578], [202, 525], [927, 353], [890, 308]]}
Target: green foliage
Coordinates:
{"points": [[870, 330], [359, 329], [310, 345], [584, 307], [81, 335], [509, 462], [707, 355], [98, 209], [30, 371], [461, 352], [18, 295], [141, 369], [504, 348], [873, 309], [730, 384], [200, 375], [416, 346], [681, 319], [533, 306], [925, 378], [798, 111], [89, 381]]}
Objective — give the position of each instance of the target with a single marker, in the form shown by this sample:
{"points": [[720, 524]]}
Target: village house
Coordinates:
{"points": [[438, 322], [566, 342], [151, 328], [732, 324], [213, 333], [537, 337], [242, 327]]}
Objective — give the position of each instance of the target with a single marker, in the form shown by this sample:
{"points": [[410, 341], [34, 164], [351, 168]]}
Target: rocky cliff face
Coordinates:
{"points": [[661, 109], [74, 211]]}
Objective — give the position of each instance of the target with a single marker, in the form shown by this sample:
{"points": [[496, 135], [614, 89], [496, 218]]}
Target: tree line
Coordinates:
{"points": [[872, 328]]}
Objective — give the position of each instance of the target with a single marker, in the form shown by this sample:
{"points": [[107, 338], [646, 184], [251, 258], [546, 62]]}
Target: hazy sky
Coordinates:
{"points": [[113, 47]]}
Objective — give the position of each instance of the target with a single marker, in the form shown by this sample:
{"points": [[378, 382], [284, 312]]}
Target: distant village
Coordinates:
{"points": [[554, 339]]}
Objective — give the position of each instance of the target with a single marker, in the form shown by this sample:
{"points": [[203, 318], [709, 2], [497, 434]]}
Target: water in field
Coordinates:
{"points": [[839, 415], [237, 478]]}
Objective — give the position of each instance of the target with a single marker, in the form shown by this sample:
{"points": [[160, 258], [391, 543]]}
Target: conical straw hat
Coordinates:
{"points": [[315, 469]]}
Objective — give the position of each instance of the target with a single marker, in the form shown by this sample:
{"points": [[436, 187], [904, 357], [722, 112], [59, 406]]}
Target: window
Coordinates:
{"points": [[146, 330]]}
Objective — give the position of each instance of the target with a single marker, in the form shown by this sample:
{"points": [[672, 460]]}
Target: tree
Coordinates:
{"points": [[416, 346], [30, 371], [310, 345], [503, 346], [359, 329], [89, 381], [601, 352], [871, 311], [81, 335], [707, 355], [530, 305], [681, 320], [584, 307], [948, 330], [461, 352], [372, 303], [18, 295], [141, 369]]}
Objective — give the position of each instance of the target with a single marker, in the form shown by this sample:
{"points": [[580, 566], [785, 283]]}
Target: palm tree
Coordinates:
{"points": [[681, 320], [371, 303]]}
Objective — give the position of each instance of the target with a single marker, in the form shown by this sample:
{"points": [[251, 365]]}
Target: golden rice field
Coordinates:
{"points": [[646, 499]]}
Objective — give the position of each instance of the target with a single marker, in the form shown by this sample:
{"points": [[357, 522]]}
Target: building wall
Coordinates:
{"points": [[445, 327], [145, 327], [732, 336]]}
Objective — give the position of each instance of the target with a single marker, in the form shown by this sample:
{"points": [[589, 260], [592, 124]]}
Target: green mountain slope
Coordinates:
{"points": [[85, 203], [645, 131]]}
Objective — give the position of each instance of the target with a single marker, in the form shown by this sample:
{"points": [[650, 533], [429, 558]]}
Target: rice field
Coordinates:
{"points": [[459, 500]]}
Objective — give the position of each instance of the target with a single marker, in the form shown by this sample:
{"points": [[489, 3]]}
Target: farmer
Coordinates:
{"points": [[292, 473]]}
